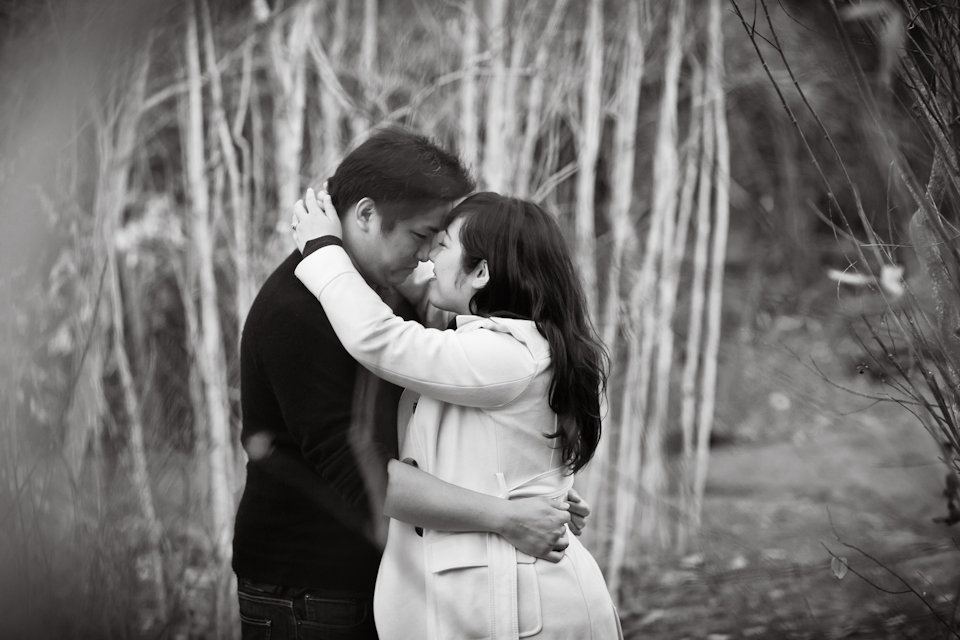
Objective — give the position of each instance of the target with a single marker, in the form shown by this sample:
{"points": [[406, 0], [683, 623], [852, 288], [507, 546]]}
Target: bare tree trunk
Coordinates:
{"points": [[332, 143], [368, 48], [112, 196], [531, 130], [469, 120], [715, 93], [368, 65], [287, 53], [691, 367], [633, 416], [589, 148], [246, 282], [494, 147], [510, 97], [210, 354], [623, 161], [258, 160], [665, 177], [239, 204]]}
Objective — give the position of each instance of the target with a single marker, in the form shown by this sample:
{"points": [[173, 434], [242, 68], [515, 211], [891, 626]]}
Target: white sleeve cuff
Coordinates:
{"points": [[322, 266]]}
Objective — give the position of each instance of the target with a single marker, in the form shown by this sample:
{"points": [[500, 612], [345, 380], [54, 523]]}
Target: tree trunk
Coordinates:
{"points": [[531, 130], [469, 123], [691, 367], [331, 113], [623, 161], [494, 147], [111, 200], [238, 203], [368, 65], [211, 364], [665, 185], [718, 252], [287, 53], [589, 148]]}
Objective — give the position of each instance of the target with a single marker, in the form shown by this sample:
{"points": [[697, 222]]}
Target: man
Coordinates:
{"points": [[303, 555]]}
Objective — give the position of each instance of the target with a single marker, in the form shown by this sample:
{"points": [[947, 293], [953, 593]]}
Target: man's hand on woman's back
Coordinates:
{"points": [[538, 527]]}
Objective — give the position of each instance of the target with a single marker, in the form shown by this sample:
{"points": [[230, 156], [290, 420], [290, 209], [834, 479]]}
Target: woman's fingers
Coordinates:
{"points": [[312, 205], [576, 525], [326, 203]]}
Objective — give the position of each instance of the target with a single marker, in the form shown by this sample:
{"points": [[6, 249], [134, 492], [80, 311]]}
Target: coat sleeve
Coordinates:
{"points": [[479, 368]]}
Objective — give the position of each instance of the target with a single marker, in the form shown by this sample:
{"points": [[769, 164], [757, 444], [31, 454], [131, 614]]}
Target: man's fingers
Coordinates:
{"points": [[554, 557], [562, 543]]}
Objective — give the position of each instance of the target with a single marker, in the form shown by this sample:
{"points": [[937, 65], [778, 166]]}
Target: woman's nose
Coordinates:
{"points": [[431, 254]]}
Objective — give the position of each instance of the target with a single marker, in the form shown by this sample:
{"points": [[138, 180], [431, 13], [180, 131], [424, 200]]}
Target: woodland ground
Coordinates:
{"points": [[797, 463]]}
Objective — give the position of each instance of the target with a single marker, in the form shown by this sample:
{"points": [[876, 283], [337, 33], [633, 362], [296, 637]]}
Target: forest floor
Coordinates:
{"points": [[801, 466]]}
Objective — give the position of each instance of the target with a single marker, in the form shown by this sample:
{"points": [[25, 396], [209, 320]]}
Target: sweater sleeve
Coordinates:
{"points": [[313, 380], [475, 368]]}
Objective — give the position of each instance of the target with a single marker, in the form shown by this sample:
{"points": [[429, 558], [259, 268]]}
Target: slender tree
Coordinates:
{"points": [[588, 151], [718, 251], [494, 144], [116, 137], [210, 356], [469, 120]]}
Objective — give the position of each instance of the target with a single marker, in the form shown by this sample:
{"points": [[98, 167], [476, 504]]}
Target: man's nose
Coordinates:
{"points": [[424, 251]]}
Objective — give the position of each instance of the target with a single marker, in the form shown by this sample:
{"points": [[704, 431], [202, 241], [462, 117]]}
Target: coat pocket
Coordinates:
{"points": [[461, 583]]}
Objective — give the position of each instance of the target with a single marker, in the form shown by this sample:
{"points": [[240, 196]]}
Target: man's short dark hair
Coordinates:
{"points": [[402, 172]]}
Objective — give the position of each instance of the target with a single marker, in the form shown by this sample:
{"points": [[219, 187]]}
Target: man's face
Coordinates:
{"points": [[387, 258]]}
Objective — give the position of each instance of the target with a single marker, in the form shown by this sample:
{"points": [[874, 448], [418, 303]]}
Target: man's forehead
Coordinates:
{"points": [[432, 219]]}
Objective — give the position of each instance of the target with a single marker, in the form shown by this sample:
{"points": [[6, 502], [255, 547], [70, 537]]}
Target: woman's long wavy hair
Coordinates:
{"points": [[532, 276]]}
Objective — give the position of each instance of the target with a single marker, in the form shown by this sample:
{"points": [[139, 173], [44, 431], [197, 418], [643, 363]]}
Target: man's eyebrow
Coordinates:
{"points": [[432, 229]]}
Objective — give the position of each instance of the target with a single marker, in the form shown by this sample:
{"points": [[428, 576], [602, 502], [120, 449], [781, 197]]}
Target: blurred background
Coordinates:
{"points": [[761, 197]]}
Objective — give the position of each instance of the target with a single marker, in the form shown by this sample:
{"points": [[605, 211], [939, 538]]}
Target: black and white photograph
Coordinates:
{"points": [[479, 319]]}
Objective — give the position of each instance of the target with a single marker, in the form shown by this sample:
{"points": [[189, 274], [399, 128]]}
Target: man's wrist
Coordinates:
{"points": [[503, 521]]}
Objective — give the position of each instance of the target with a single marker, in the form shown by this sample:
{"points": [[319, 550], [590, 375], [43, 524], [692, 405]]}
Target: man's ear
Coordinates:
{"points": [[364, 212], [481, 275]]}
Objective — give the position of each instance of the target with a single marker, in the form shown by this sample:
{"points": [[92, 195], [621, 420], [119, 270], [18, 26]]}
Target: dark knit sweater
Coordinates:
{"points": [[305, 505]]}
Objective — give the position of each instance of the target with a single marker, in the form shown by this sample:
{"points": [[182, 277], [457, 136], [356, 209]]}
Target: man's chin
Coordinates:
{"points": [[399, 277]]}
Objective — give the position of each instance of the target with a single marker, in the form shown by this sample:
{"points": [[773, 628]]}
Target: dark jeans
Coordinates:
{"points": [[269, 612]]}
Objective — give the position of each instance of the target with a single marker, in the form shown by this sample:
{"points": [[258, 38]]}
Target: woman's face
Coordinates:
{"points": [[452, 289]]}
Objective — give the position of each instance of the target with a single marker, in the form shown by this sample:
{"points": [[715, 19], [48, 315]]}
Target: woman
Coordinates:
{"points": [[508, 406]]}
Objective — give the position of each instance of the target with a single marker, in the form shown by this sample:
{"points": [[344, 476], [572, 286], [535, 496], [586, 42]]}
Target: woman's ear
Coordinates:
{"points": [[364, 212], [481, 275]]}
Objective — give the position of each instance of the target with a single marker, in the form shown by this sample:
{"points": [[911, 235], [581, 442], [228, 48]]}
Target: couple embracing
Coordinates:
{"points": [[473, 318]]}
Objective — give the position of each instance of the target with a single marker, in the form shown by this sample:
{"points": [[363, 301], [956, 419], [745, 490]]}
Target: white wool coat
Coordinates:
{"points": [[475, 414]]}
